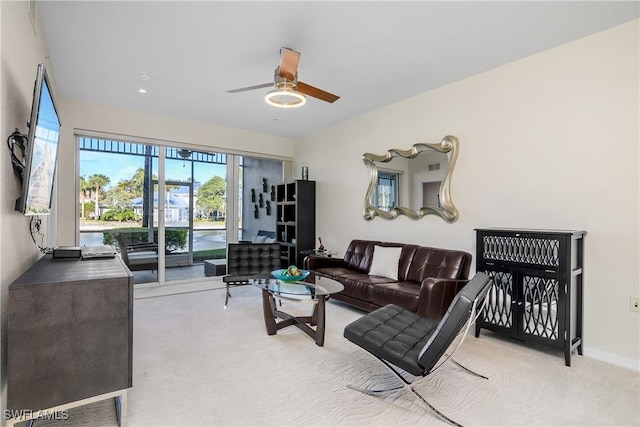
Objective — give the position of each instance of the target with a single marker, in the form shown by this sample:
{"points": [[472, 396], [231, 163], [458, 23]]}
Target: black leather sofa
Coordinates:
{"points": [[428, 278]]}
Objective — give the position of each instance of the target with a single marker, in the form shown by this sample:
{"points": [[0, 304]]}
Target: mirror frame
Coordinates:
{"points": [[447, 211]]}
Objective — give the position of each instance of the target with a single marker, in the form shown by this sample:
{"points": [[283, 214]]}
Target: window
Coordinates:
{"points": [[386, 195]]}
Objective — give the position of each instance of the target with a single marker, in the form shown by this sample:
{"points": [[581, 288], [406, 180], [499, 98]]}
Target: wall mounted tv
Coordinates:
{"points": [[41, 150]]}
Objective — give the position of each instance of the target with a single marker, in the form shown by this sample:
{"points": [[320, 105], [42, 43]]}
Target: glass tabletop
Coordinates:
{"points": [[326, 252], [311, 288]]}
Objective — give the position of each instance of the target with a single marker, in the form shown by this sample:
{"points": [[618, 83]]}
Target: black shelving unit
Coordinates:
{"points": [[296, 219], [537, 285]]}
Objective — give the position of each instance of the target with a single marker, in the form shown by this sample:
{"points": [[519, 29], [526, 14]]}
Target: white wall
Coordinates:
{"points": [[78, 115], [22, 49], [550, 141]]}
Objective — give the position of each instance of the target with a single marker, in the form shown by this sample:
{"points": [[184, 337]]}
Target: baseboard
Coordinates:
{"points": [[590, 352], [176, 289], [613, 359]]}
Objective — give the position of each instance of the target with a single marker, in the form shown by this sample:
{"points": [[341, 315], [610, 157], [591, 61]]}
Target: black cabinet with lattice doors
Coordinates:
{"points": [[536, 292]]}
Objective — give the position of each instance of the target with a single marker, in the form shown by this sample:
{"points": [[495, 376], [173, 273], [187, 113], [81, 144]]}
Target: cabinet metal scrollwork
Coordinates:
{"points": [[411, 181]]}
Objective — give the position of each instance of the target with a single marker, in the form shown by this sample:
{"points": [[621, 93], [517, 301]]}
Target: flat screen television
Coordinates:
{"points": [[41, 150]]}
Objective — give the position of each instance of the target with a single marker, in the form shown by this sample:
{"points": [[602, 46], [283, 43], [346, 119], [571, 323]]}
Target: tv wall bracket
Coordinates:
{"points": [[17, 140]]}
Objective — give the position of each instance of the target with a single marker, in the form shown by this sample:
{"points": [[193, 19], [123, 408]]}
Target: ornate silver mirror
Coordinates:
{"points": [[415, 182]]}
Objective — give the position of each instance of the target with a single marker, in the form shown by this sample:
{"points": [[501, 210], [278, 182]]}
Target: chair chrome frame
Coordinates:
{"points": [[409, 385]]}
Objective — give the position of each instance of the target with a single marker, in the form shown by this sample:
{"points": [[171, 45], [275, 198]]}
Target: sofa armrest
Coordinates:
{"points": [[436, 296], [313, 262]]}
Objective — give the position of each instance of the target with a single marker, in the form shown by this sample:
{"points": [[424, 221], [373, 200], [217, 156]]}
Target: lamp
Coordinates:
{"points": [[285, 96]]}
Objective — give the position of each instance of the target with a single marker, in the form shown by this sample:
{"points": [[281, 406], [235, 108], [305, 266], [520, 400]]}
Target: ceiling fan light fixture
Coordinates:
{"points": [[285, 98]]}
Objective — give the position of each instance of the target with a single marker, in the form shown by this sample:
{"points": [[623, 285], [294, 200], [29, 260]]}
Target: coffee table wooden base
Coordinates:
{"points": [[304, 323]]}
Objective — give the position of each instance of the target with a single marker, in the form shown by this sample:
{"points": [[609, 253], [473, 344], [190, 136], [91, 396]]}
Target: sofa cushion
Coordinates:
{"points": [[408, 252], [356, 285], [359, 255], [441, 263], [385, 262], [404, 294], [259, 239]]}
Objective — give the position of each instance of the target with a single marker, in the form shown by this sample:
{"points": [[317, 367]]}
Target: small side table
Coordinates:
{"points": [[215, 267], [325, 253]]}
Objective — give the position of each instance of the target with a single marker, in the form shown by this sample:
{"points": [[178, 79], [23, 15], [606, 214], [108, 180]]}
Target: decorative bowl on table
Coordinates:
{"points": [[283, 274]]}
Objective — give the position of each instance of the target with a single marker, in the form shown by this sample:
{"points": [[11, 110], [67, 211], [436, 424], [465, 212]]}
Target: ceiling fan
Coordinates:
{"points": [[289, 92]]}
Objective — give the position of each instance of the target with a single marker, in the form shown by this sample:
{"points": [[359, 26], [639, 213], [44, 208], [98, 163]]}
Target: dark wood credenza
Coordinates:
{"points": [[70, 334]]}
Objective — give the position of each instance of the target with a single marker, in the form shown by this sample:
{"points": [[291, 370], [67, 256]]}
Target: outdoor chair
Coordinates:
{"points": [[409, 344], [247, 261], [138, 257]]}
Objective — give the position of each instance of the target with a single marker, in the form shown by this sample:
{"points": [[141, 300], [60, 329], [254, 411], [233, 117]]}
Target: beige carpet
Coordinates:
{"points": [[196, 364]]}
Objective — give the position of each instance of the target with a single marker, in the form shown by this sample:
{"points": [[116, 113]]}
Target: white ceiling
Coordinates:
{"points": [[371, 54]]}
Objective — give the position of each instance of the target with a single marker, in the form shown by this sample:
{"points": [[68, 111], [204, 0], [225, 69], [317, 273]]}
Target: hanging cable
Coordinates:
{"points": [[34, 228], [16, 139]]}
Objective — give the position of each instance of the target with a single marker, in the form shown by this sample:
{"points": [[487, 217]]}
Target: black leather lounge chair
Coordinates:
{"points": [[401, 339], [250, 261]]}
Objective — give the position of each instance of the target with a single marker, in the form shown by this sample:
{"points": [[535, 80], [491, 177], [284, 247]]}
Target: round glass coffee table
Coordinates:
{"points": [[314, 289]]}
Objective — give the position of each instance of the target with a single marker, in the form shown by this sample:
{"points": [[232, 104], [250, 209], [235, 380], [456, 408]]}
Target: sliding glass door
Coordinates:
{"points": [[169, 209], [113, 194], [194, 206]]}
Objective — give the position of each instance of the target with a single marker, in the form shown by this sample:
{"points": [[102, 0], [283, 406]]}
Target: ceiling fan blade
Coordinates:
{"points": [[289, 63], [316, 93], [244, 89]]}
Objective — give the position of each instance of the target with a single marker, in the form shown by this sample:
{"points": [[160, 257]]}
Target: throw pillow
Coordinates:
{"points": [[270, 240], [385, 262], [258, 239]]}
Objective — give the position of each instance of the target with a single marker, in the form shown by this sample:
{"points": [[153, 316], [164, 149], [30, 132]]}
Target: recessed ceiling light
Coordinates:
{"points": [[142, 90], [145, 76]]}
